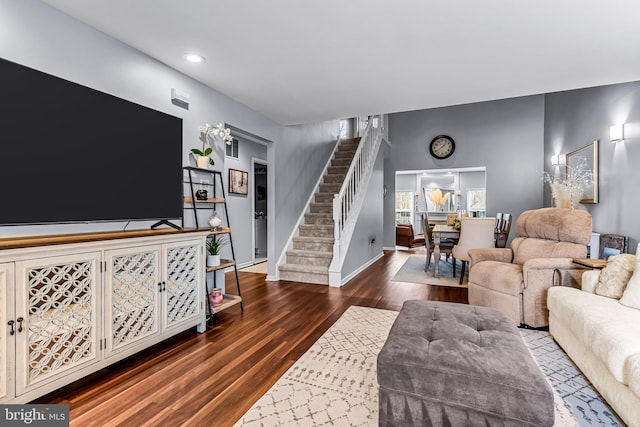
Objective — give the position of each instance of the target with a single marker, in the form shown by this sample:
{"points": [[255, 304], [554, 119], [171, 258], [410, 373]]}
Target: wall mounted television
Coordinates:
{"points": [[69, 153]]}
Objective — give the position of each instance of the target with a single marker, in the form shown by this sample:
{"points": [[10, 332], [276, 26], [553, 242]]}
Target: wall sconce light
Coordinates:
{"points": [[555, 160], [616, 133]]}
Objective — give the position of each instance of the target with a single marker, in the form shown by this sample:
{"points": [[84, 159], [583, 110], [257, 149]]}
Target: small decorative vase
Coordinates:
{"points": [[215, 297], [215, 221], [213, 260], [201, 194], [202, 162]]}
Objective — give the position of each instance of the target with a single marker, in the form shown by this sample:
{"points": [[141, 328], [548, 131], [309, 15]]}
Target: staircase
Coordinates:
{"points": [[312, 251]]}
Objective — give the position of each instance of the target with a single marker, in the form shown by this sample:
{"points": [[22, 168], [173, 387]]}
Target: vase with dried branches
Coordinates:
{"points": [[567, 192], [437, 198]]}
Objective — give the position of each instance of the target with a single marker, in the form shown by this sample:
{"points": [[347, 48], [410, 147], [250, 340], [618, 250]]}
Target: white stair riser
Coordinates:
{"points": [[341, 163], [338, 170], [325, 219], [344, 155], [296, 276], [332, 188], [323, 198], [338, 179], [312, 246], [316, 231], [308, 260], [318, 208]]}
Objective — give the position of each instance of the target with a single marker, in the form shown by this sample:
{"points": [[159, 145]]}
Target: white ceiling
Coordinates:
{"points": [[298, 61]]}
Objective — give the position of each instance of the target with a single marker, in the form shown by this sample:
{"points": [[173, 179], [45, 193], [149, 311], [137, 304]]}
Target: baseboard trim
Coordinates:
{"points": [[362, 268]]}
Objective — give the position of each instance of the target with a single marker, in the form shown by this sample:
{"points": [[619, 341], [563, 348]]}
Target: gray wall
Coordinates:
{"points": [[40, 37], [505, 136], [574, 119], [241, 206], [369, 225], [405, 182], [471, 180]]}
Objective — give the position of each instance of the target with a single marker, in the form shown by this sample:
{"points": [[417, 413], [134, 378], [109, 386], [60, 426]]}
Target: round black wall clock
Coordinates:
{"points": [[442, 146]]}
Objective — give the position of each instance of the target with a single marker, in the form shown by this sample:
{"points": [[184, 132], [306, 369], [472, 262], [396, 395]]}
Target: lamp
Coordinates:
{"points": [[616, 133], [555, 160]]}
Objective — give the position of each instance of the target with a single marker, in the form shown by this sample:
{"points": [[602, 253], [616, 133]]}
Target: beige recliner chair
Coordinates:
{"points": [[515, 280]]}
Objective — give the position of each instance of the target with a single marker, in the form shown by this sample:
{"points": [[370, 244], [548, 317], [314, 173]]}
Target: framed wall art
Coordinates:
{"points": [[583, 163], [238, 182]]}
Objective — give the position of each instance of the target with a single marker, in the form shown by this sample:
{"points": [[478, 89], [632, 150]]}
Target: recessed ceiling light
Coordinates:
{"points": [[193, 57]]}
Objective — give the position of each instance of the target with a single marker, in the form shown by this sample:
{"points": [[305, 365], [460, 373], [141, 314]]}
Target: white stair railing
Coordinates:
{"points": [[348, 201]]}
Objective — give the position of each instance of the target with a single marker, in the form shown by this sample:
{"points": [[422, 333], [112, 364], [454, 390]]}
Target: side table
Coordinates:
{"points": [[595, 264]]}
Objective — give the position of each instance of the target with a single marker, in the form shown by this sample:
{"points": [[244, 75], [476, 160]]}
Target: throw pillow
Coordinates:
{"points": [[615, 276], [631, 296]]}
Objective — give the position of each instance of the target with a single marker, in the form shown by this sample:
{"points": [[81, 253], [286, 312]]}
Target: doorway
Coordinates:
{"points": [[259, 180]]}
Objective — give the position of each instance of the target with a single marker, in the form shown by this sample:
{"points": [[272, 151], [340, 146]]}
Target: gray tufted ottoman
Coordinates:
{"points": [[447, 364]]}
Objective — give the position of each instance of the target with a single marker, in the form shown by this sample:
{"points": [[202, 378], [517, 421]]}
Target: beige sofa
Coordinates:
{"points": [[602, 337], [515, 280]]}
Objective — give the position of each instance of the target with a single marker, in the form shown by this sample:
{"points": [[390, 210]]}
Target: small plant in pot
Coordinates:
{"points": [[214, 246], [209, 131], [202, 157]]}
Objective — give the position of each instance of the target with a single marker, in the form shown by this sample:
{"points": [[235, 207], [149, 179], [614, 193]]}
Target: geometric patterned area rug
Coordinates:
{"points": [[412, 271], [577, 394], [335, 384]]}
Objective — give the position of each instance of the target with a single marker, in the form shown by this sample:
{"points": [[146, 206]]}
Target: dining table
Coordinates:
{"points": [[442, 231]]}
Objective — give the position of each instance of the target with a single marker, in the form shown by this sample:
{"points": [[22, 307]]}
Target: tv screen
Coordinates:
{"points": [[69, 153]]}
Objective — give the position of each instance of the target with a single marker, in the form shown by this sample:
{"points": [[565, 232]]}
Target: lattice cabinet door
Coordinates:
{"points": [[183, 286], [132, 297], [7, 332], [57, 312]]}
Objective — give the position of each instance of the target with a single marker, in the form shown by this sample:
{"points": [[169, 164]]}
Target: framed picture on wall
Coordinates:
{"points": [[584, 159], [238, 182]]}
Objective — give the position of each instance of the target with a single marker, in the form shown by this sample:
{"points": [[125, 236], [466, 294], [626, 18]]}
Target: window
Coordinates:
{"points": [[344, 129], [404, 207], [232, 149]]}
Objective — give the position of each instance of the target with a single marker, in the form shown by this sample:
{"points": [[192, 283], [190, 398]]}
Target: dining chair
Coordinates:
{"points": [[474, 233], [446, 245], [503, 227]]}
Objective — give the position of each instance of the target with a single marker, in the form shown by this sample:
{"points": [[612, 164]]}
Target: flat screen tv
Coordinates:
{"points": [[69, 153]]}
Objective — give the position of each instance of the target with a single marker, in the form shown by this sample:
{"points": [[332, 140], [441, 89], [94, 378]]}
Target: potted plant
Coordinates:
{"points": [[214, 246], [202, 156]]}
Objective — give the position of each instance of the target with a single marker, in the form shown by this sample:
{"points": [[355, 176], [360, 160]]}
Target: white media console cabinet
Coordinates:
{"points": [[71, 305]]}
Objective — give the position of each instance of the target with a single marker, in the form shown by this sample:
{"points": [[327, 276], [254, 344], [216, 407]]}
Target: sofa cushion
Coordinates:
{"points": [[604, 325], [498, 276], [562, 225], [615, 276], [631, 296], [634, 374], [526, 248]]}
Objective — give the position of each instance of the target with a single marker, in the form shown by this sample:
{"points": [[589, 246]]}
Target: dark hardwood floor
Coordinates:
{"points": [[212, 379]]}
